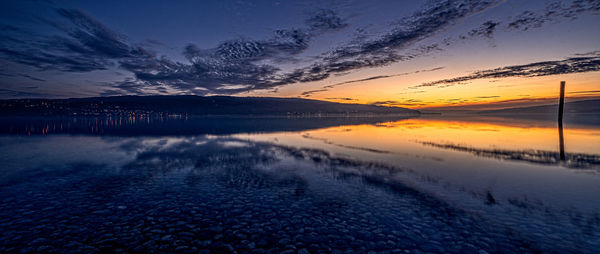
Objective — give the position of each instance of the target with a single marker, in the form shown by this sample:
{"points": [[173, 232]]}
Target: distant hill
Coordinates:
{"points": [[576, 113], [576, 107], [190, 105]]}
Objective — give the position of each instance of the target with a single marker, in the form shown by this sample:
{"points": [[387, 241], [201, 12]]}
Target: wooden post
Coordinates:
{"points": [[561, 105]]}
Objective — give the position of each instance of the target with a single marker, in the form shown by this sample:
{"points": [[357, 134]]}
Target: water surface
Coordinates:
{"points": [[316, 185]]}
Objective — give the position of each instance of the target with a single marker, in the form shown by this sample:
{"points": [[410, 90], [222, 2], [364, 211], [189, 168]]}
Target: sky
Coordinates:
{"points": [[476, 54]]}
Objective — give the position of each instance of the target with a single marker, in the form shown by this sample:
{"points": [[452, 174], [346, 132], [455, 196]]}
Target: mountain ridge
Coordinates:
{"points": [[191, 105], [575, 107]]}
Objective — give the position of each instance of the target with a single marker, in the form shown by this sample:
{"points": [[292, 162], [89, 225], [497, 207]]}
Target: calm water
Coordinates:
{"points": [[464, 185]]}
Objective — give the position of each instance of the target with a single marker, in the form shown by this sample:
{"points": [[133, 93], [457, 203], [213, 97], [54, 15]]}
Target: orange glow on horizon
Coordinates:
{"points": [[483, 93]]}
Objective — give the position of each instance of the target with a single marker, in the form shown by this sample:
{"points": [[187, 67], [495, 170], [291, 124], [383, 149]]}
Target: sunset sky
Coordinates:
{"points": [[416, 54]]}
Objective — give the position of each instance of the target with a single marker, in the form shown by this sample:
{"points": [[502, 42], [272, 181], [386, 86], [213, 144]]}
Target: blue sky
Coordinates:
{"points": [[404, 53]]}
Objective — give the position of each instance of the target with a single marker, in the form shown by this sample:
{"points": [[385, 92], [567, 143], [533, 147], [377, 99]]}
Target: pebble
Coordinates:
{"points": [[198, 201]]}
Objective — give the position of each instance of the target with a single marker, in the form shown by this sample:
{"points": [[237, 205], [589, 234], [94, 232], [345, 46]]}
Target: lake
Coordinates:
{"points": [[307, 185]]}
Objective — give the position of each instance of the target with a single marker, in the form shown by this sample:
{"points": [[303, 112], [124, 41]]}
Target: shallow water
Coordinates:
{"points": [[299, 185]]}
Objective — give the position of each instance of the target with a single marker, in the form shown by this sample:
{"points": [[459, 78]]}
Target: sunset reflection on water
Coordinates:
{"points": [[505, 171]]}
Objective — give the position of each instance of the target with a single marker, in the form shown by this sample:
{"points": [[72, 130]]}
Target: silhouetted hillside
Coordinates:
{"points": [[578, 112], [576, 107], [190, 105]]}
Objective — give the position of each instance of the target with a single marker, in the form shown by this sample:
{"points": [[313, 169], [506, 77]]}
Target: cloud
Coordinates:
{"points": [[411, 29], [22, 75], [554, 11], [251, 64], [412, 92], [395, 103], [324, 19], [341, 98], [383, 103], [577, 64], [361, 80], [15, 93], [232, 62], [384, 50], [327, 87], [310, 92], [246, 62], [585, 92], [382, 77], [486, 29], [92, 37], [357, 55], [238, 62], [32, 78], [241, 64], [44, 60], [86, 45], [530, 19], [487, 97]]}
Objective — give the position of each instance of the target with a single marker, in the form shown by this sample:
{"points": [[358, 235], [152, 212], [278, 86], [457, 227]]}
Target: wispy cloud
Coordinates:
{"points": [[327, 87], [381, 77], [86, 45], [16, 93], [309, 92], [383, 50], [341, 98], [237, 62], [239, 65], [585, 92], [588, 63], [400, 103], [554, 11], [32, 77], [325, 19], [487, 29], [22, 75]]}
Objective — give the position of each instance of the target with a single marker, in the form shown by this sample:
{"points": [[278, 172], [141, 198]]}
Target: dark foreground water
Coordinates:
{"points": [[297, 186]]}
